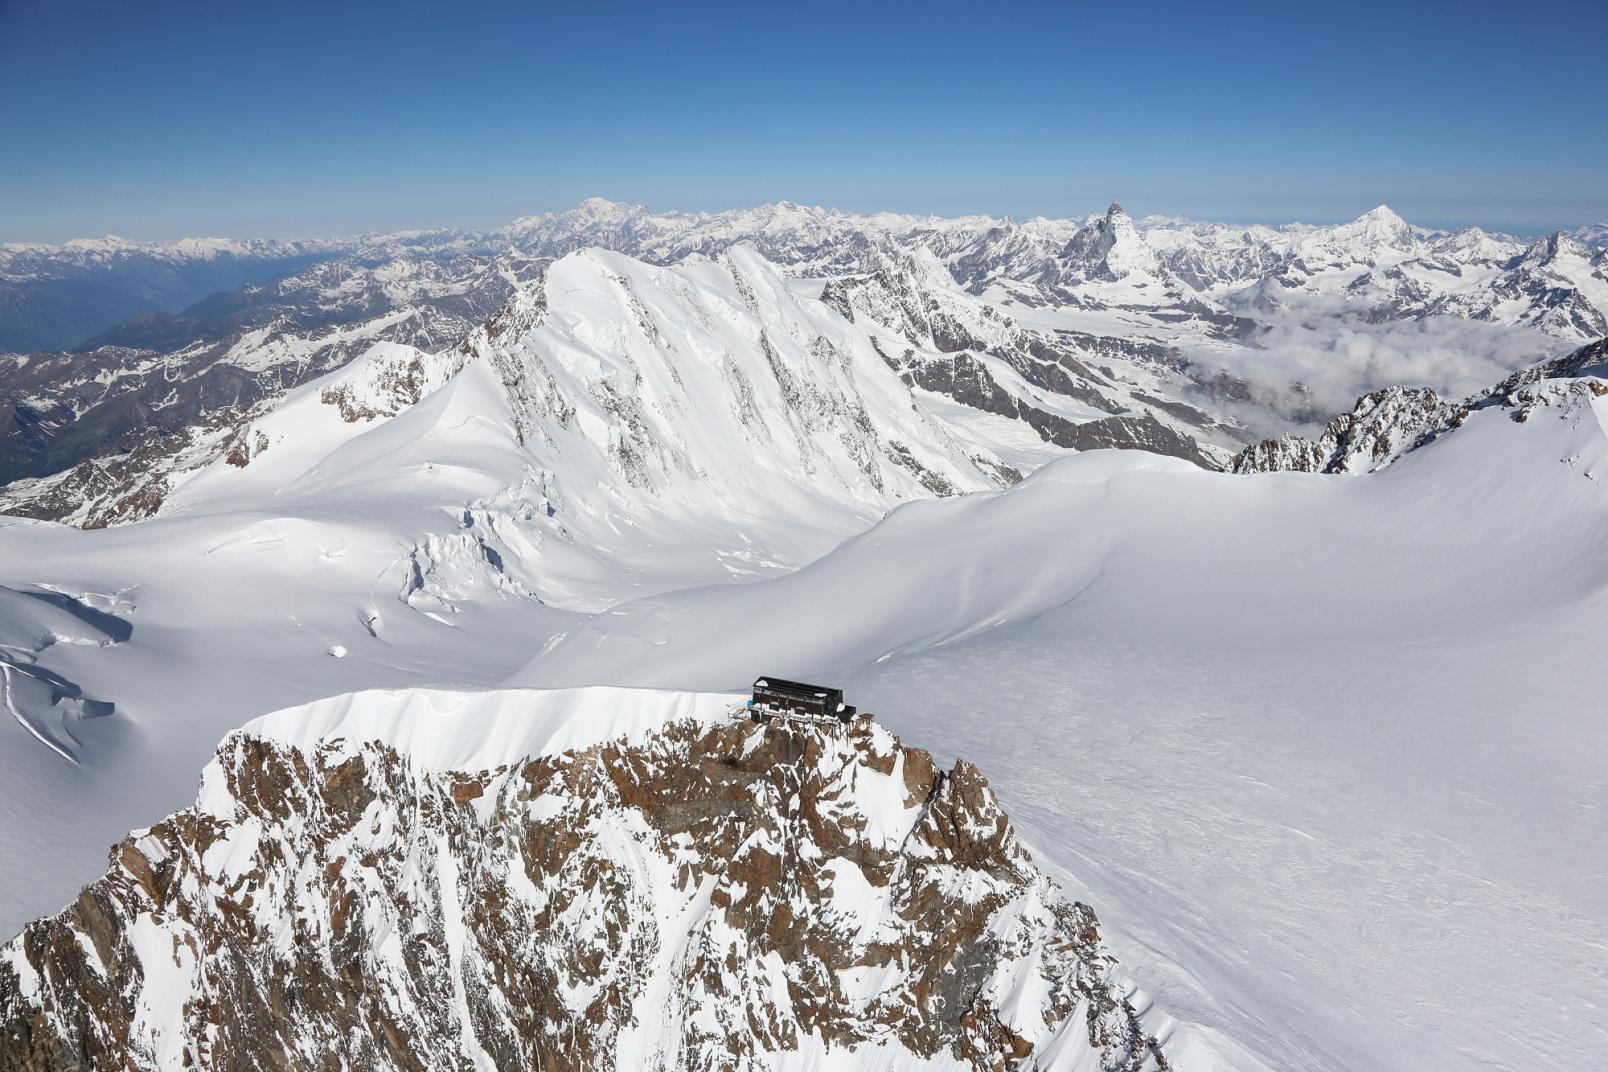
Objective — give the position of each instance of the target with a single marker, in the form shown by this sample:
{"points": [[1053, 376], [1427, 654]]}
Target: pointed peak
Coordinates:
{"points": [[1115, 210], [603, 208], [1383, 217], [1558, 243]]}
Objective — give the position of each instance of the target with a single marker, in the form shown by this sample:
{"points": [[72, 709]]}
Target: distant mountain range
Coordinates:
{"points": [[1116, 319], [491, 528], [65, 297]]}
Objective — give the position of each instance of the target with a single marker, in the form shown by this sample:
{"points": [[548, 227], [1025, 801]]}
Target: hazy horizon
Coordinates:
{"points": [[160, 122], [1139, 213]]}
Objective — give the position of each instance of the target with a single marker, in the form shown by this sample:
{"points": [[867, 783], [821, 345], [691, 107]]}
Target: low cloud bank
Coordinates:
{"points": [[1314, 361]]}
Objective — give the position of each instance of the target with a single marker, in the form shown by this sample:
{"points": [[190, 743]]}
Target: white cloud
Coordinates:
{"points": [[1314, 361]]}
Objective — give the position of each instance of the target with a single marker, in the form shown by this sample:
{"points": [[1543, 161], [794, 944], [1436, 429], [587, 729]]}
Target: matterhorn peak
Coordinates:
{"points": [[1109, 247]]}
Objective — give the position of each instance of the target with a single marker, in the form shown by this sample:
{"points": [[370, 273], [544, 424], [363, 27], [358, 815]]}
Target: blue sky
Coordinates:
{"points": [[167, 118]]}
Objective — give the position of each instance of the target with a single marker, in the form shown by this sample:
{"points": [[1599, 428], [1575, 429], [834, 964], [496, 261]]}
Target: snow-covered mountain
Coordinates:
{"points": [[1208, 259], [1385, 270], [1339, 732], [599, 879], [153, 383], [893, 384], [1325, 642], [1208, 700], [1183, 295]]}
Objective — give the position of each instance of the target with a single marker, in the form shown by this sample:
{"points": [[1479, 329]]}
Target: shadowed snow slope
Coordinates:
{"points": [[1328, 747]]}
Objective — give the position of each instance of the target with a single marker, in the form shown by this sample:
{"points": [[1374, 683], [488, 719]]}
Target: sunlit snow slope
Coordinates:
{"points": [[1329, 748], [1324, 751], [418, 518]]}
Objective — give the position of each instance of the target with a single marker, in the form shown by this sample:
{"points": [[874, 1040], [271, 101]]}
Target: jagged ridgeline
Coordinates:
{"points": [[593, 879]]}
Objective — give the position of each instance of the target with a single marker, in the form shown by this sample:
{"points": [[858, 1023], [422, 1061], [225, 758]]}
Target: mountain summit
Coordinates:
{"points": [[1109, 248], [611, 880]]}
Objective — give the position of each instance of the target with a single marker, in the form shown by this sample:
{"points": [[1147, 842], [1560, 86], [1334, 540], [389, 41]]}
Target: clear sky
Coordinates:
{"points": [[162, 118]]}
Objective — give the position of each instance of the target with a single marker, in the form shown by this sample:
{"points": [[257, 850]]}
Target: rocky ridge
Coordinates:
{"points": [[1385, 425], [695, 892]]}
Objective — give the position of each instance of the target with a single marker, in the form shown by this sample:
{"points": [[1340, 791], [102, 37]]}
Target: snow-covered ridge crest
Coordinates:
{"points": [[715, 372], [479, 729], [635, 882], [710, 376]]}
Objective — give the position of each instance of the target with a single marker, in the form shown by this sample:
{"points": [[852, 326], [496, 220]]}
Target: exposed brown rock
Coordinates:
{"points": [[700, 898]]}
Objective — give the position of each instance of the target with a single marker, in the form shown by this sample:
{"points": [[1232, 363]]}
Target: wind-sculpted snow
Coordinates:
{"points": [[1348, 726], [41, 701], [591, 880]]}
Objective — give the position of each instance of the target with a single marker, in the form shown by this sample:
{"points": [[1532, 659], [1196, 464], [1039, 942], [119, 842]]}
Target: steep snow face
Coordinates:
{"points": [[1345, 726], [709, 386], [589, 880], [717, 378]]}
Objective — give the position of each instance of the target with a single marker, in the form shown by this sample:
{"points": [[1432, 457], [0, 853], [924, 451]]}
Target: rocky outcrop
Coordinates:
{"points": [[1387, 424], [1380, 428], [708, 894], [951, 333], [967, 379]]}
